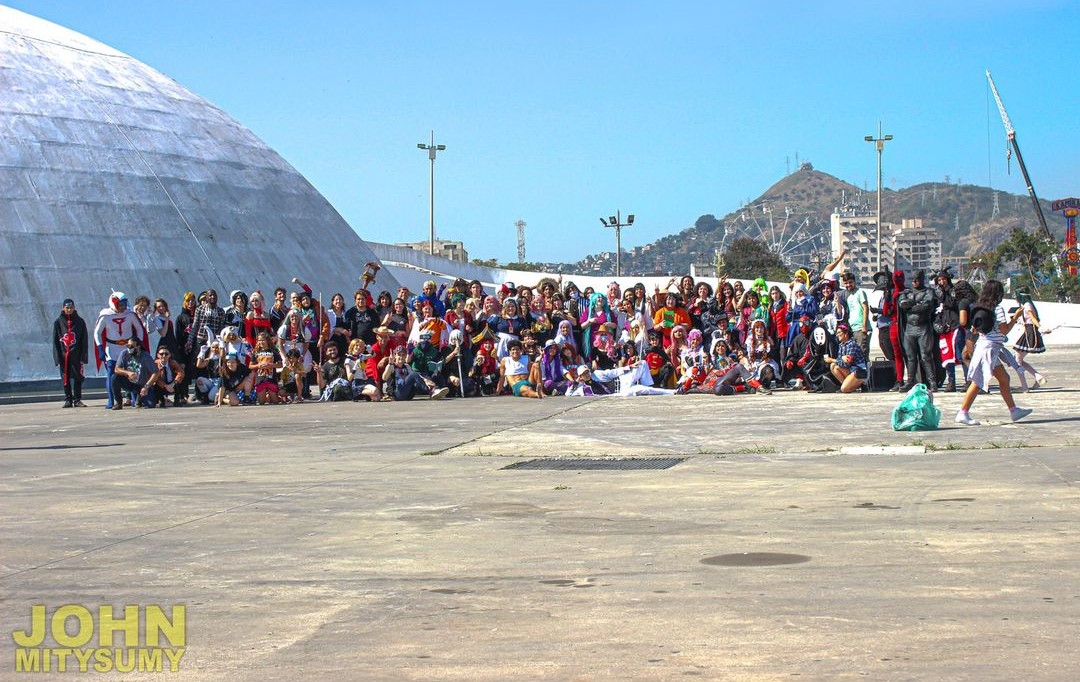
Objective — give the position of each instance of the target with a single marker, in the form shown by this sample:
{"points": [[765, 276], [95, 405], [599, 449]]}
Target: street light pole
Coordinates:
{"points": [[880, 141], [616, 222], [431, 150]]}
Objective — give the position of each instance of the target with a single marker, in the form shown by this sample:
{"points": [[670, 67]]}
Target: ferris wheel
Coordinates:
{"points": [[792, 234]]}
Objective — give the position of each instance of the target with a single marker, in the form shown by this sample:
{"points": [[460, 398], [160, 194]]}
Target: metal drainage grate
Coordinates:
{"points": [[627, 464]]}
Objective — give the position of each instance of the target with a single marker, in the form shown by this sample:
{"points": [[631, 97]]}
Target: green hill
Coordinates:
{"points": [[793, 215]]}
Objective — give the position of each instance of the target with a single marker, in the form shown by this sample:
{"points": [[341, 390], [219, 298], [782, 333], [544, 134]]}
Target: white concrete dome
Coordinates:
{"points": [[114, 176]]}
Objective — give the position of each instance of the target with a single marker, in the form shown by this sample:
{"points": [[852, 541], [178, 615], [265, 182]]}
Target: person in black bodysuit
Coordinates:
{"points": [[917, 307]]}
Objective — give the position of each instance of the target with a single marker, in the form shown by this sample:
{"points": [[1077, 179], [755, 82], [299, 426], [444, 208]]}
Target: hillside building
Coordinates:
{"points": [[855, 229], [454, 251], [910, 246]]}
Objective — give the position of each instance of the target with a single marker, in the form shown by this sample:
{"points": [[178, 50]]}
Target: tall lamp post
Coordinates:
{"points": [[432, 149], [616, 222], [880, 141]]}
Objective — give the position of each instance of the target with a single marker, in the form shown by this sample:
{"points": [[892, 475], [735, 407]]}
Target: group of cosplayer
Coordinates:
{"points": [[543, 340]]}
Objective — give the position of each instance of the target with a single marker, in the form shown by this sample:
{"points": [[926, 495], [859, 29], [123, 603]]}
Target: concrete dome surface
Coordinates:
{"points": [[114, 176]]}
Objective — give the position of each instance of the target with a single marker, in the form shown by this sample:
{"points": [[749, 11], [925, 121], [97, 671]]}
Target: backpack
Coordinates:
{"points": [[982, 320]]}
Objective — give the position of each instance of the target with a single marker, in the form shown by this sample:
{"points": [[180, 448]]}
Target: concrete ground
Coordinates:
{"points": [[387, 541]]}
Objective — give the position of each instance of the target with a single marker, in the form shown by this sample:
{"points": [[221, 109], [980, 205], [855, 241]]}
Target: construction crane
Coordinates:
{"points": [[1010, 135]]}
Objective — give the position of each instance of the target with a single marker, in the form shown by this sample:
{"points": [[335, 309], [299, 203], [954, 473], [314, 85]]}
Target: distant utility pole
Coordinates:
{"points": [[880, 141], [431, 149], [521, 240]]}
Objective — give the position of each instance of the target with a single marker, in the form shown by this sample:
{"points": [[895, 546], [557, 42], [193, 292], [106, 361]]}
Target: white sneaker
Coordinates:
{"points": [[965, 419], [1040, 380], [1019, 413], [439, 393]]}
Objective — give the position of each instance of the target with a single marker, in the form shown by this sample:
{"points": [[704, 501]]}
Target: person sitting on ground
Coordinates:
{"points": [[135, 372], [605, 351], [333, 378], [694, 362], [518, 374], [584, 385], [818, 374], [265, 364], [359, 364], [426, 360], [456, 359], [759, 358], [235, 376], [849, 365], [658, 360], [292, 376], [407, 382], [798, 356], [169, 375], [484, 373], [293, 335], [553, 379], [630, 380]]}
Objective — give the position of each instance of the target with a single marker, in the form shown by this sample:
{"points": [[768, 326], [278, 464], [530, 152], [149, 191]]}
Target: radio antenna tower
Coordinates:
{"points": [[521, 240]]}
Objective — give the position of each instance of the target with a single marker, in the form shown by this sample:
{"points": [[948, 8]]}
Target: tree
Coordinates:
{"points": [[527, 266], [748, 258], [1032, 255], [708, 223]]}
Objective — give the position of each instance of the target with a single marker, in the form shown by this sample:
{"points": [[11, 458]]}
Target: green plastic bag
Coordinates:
{"points": [[917, 411]]}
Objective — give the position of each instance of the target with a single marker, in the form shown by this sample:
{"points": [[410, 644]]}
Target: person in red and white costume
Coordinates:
{"points": [[115, 325]]}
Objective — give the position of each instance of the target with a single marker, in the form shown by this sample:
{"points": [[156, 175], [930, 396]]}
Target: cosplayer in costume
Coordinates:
{"points": [[71, 345], [815, 369], [917, 306], [115, 325], [890, 307], [947, 326], [1032, 340]]}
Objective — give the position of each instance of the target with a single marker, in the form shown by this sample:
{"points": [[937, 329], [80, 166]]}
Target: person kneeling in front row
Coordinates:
{"points": [[135, 372], [849, 365]]}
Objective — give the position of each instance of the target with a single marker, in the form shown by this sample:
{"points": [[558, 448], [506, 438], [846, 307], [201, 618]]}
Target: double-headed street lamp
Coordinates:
{"points": [[616, 222], [432, 149], [880, 141]]}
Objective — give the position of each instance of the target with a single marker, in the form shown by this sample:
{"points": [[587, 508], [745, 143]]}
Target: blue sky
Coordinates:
{"points": [[558, 113]]}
